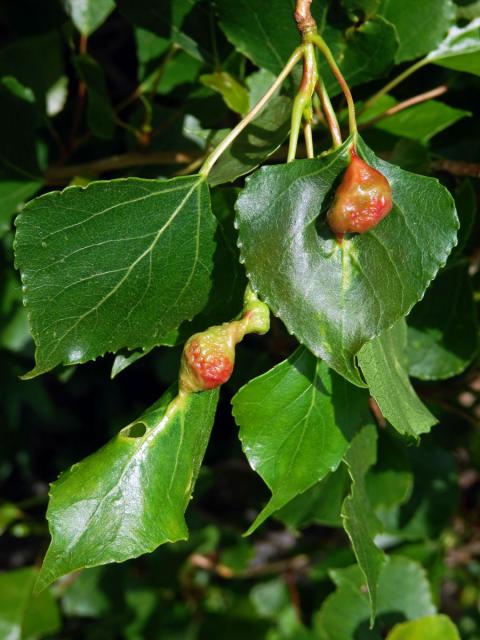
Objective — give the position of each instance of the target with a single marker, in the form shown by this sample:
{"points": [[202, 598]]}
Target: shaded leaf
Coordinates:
{"points": [[130, 496], [100, 114], [443, 328], [233, 93], [335, 297], [359, 519], [24, 616], [88, 15], [321, 504], [118, 264], [13, 193], [258, 141], [296, 422], [383, 364], [420, 25], [438, 627]]}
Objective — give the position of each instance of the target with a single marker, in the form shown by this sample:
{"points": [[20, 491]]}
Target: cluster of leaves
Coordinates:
{"points": [[352, 539]]}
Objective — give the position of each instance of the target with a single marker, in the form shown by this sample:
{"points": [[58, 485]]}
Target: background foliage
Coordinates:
{"points": [[139, 89]]}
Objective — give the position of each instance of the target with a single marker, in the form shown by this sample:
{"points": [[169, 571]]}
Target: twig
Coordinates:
{"points": [[303, 17], [81, 93], [401, 106], [457, 168]]}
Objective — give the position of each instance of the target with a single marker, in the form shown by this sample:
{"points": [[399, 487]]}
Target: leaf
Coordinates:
{"points": [[264, 30], [165, 20], [434, 498], [13, 193], [364, 52], [256, 143], [422, 121], [383, 364], [296, 422], [460, 50], [466, 203], [437, 627], [321, 504], [420, 25], [88, 15], [130, 496], [233, 93], [359, 519], [22, 615], [335, 297], [115, 265], [443, 328], [36, 62], [403, 589], [100, 114]]}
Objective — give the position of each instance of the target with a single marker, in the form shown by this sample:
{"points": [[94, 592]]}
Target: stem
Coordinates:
{"points": [[329, 113], [302, 105], [226, 142], [393, 83], [322, 45], [307, 134], [421, 97], [303, 17], [81, 93]]}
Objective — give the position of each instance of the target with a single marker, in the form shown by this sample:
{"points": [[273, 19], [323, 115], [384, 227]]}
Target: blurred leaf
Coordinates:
{"points": [[92, 287], [366, 8], [86, 596], [88, 15], [256, 143], [359, 519], [24, 616], [466, 203], [390, 481], [270, 598], [321, 504], [130, 496], [422, 121], [369, 281], [430, 628], [234, 94], [403, 592], [460, 50], [13, 193], [36, 62], [420, 25], [383, 363], [443, 328], [9, 513], [434, 497], [296, 422], [100, 114]]}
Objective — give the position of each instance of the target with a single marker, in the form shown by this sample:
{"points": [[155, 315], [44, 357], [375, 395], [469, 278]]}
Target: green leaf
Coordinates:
{"points": [[36, 62], [234, 94], [130, 496], [460, 50], [438, 627], [359, 519], [13, 193], [422, 121], [364, 52], [361, 8], [264, 30], [383, 364], [443, 328], [389, 483], [165, 20], [321, 504], [420, 25], [88, 15], [115, 265], [335, 297], [100, 114], [24, 616], [256, 143], [403, 589], [434, 498], [296, 422], [19, 124]]}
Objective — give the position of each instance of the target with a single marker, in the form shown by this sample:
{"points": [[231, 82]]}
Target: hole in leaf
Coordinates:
{"points": [[136, 430]]}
